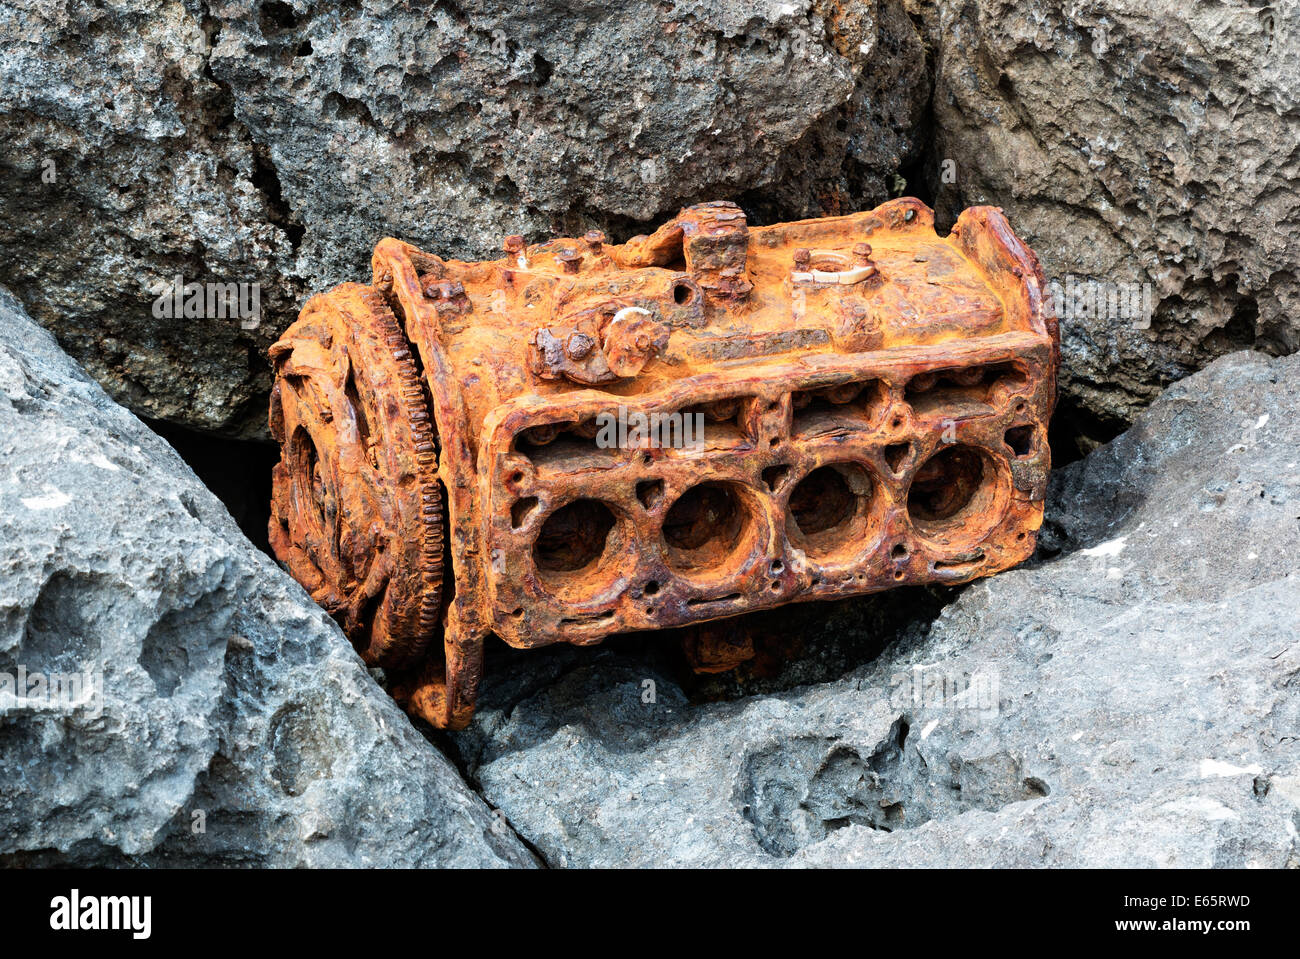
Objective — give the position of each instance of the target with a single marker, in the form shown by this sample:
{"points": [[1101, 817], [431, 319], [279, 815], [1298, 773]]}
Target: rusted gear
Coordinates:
{"points": [[357, 511]]}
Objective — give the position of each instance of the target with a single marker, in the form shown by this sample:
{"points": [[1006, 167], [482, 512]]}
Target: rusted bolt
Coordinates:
{"points": [[802, 260], [514, 244], [862, 254], [570, 259], [579, 345], [595, 240]]}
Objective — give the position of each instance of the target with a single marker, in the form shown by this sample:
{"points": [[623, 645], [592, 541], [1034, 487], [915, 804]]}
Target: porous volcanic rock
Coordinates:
{"points": [[1133, 142], [225, 719], [273, 142]]}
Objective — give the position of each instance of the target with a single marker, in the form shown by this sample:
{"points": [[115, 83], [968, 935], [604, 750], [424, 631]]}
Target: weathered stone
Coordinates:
{"points": [[1138, 143], [1133, 701], [234, 724], [271, 142]]}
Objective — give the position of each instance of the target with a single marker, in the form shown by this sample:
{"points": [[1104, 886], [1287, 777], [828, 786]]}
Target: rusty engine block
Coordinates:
{"points": [[873, 402]]}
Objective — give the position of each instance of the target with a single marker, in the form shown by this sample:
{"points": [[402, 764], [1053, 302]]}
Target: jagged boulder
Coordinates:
{"points": [[273, 142], [1137, 146], [168, 695]]}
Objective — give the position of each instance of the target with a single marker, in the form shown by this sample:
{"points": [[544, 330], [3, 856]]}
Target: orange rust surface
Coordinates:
{"points": [[872, 402]]}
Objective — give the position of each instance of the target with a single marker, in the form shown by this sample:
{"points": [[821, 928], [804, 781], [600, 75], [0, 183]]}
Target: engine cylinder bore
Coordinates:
{"points": [[956, 496], [832, 514], [706, 526], [570, 545]]}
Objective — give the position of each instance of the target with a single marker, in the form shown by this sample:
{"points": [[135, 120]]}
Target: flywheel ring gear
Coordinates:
{"points": [[357, 509]]}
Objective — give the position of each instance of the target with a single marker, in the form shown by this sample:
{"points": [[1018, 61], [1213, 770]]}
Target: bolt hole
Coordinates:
{"points": [[774, 476], [777, 566], [683, 294], [895, 454], [1020, 439], [899, 551], [651, 588], [650, 492], [522, 509]]}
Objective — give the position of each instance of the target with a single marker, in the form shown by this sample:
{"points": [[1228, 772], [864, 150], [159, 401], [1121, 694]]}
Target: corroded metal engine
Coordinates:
{"points": [[465, 451]]}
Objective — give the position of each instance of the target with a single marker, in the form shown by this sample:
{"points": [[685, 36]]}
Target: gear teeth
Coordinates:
{"points": [[356, 331]]}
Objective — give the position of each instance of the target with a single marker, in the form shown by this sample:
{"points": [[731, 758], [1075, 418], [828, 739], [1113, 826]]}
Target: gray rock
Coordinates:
{"points": [[1133, 142], [1129, 699], [226, 719], [276, 142]]}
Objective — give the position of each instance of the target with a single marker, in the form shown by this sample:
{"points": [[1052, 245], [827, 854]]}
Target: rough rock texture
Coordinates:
{"points": [[1131, 700], [1134, 142], [275, 142], [229, 701]]}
